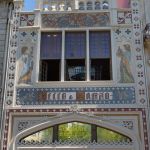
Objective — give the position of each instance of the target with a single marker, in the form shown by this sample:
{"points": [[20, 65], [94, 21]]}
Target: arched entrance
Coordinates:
{"points": [[86, 133]]}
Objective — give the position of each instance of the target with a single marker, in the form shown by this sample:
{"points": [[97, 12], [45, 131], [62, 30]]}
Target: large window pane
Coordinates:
{"points": [[100, 69], [51, 45], [100, 44], [44, 135], [50, 70], [75, 70], [75, 50], [75, 131], [105, 135], [100, 55], [75, 45]]}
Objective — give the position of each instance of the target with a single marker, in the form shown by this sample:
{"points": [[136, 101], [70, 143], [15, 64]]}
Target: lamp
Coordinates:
{"points": [[146, 34], [146, 38]]}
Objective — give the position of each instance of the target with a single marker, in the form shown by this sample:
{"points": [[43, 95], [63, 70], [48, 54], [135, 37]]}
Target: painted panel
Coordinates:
{"points": [[27, 19], [75, 20], [124, 53], [124, 17], [86, 95], [25, 59]]}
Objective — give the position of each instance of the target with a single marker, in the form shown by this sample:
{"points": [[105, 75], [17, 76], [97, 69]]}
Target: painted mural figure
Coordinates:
{"points": [[26, 65], [125, 69]]}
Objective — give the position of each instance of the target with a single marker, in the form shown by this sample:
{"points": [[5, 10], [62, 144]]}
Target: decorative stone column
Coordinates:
{"points": [[146, 37]]}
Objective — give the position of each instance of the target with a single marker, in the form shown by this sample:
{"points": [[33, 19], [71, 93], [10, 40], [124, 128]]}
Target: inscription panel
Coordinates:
{"points": [[84, 95]]}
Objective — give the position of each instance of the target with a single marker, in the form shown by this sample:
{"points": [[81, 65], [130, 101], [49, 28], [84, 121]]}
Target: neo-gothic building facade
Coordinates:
{"points": [[5, 16], [77, 76]]}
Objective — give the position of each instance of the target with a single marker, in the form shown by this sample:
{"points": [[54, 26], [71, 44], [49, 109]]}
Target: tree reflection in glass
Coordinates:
{"points": [[74, 131]]}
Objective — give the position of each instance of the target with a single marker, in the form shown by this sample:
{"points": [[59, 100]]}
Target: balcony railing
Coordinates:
{"points": [[70, 5]]}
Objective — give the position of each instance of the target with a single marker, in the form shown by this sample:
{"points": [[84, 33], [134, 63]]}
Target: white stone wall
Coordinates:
{"points": [[147, 10]]}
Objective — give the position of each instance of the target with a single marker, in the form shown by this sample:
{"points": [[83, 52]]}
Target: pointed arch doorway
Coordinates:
{"points": [[75, 131]]}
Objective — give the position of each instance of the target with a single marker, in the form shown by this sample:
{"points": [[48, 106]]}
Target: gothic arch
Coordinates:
{"points": [[75, 117]]}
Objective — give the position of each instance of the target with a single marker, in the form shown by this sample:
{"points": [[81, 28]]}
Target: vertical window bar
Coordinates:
{"points": [[93, 133], [63, 57], [87, 57], [55, 133]]}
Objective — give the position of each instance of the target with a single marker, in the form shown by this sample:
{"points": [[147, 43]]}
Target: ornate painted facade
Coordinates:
{"points": [[118, 102]]}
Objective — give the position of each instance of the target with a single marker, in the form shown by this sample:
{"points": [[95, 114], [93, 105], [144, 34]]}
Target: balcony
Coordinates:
{"points": [[73, 5]]}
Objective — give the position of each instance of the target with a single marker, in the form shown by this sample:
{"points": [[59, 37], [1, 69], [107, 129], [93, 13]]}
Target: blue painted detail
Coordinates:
{"points": [[39, 96]]}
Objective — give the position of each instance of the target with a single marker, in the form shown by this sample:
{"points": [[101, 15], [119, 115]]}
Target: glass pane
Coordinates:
{"points": [[44, 135], [100, 44], [50, 70], [75, 70], [106, 135], [75, 131], [29, 5], [51, 45], [75, 45], [123, 3], [100, 69]]}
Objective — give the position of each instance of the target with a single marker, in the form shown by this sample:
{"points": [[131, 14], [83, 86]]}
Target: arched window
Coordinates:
{"points": [[68, 6], [105, 5], [81, 6], [89, 5], [97, 5], [77, 132], [45, 7], [61, 6]]}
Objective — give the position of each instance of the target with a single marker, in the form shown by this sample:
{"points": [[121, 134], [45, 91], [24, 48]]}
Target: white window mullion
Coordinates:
{"points": [[87, 56], [63, 57]]}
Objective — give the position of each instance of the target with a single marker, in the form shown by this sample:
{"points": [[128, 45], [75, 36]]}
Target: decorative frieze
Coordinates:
{"points": [[13, 46], [75, 20], [96, 95], [138, 48]]}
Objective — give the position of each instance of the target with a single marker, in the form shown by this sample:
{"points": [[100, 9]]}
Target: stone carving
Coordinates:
{"points": [[34, 143], [22, 125], [128, 124]]}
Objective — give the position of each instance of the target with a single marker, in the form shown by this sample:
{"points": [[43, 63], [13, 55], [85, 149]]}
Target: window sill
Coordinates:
{"points": [[74, 83]]}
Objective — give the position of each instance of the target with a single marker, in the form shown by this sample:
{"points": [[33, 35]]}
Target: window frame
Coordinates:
{"points": [[87, 57], [55, 136]]}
